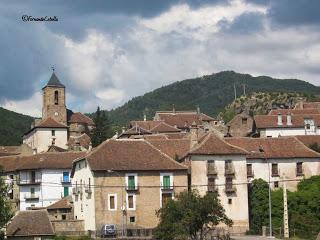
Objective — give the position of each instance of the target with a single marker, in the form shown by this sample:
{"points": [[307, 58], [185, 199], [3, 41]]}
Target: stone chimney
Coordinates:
{"points": [[193, 135], [144, 117], [173, 109], [289, 119], [198, 110], [279, 119]]}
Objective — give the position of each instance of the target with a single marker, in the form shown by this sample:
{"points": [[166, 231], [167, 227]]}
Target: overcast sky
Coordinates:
{"points": [[107, 52]]}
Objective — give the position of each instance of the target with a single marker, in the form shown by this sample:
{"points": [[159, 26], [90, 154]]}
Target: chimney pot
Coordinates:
{"points": [[289, 119], [279, 119]]}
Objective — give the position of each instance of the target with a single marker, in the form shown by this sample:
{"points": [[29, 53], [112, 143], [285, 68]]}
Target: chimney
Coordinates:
{"points": [[193, 135], [77, 146], [123, 129], [144, 117], [198, 110], [289, 119], [279, 119], [173, 109]]}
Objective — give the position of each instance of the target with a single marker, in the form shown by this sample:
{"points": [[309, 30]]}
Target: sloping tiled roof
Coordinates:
{"points": [[156, 137], [179, 135], [50, 123], [271, 121], [172, 147], [50, 160], [308, 140], [30, 223], [283, 147], [9, 150], [54, 148], [311, 105], [136, 130], [64, 203], [164, 128], [147, 125], [183, 120], [213, 145], [80, 118], [294, 111], [84, 141], [54, 81], [130, 155]]}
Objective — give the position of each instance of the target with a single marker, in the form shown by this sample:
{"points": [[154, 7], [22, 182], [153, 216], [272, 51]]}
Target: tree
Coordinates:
{"points": [[190, 216], [5, 206], [102, 129]]}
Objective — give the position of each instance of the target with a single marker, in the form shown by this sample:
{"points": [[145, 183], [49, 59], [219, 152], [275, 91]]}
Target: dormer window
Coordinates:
{"points": [[56, 97]]}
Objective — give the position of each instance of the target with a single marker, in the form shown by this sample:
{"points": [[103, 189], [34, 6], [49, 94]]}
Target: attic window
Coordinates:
{"points": [[56, 97]]}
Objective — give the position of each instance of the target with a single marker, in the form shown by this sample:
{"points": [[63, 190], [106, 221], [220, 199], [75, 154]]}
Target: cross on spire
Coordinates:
{"points": [[52, 68]]}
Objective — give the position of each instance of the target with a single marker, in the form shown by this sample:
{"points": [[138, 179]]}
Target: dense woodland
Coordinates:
{"points": [[211, 93]]}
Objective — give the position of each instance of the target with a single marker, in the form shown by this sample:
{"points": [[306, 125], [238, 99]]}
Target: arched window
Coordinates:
{"points": [[56, 97]]}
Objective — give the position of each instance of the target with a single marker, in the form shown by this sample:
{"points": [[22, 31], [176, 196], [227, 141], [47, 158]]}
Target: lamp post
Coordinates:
{"points": [[122, 203]]}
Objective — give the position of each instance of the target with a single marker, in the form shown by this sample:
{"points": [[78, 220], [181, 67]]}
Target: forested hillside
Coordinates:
{"points": [[13, 126], [212, 93]]}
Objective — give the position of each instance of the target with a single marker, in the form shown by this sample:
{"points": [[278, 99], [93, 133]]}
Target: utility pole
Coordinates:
{"points": [[285, 209], [270, 215], [235, 91]]}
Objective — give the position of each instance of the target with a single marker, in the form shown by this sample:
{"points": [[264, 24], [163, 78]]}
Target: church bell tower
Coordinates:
{"points": [[54, 100]]}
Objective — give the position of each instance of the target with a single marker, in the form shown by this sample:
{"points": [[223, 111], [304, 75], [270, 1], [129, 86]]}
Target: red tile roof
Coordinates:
{"points": [[213, 145], [50, 123], [80, 118], [164, 128], [308, 140], [283, 147], [311, 105], [147, 125], [130, 155], [175, 148], [84, 141], [64, 203], [183, 120], [294, 111], [271, 121], [50, 160], [30, 223]]}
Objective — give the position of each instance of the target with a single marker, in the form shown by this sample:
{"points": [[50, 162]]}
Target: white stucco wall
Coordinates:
{"points": [[276, 132], [286, 167], [41, 138], [85, 212], [49, 190], [238, 209]]}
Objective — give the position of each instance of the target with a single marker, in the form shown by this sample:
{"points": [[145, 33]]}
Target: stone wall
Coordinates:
{"points": [[68, 226]]}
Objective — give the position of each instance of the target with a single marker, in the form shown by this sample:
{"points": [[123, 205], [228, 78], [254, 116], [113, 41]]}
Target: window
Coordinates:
{"points": [[33, 176], [211, 184], [249, 170], [66, 177], [53, 133], [275, 172], [131, 202], [32, 191], [81, 207], [56, 97], [165, 197], [276, 184], [166, 181], [112, 202], [131, 182], [308, 126], [229, 183], [299, 169], [229, 167], [244, 121], [211, 168], [229, 200], [132, 219], [66, 191], [64, 217]]}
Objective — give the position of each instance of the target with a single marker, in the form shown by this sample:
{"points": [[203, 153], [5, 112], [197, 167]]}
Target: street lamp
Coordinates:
{"points": [[122, 203]]}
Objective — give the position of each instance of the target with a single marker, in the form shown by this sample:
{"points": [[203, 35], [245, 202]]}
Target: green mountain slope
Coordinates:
{"points": [[212, 93], [13, 126]]}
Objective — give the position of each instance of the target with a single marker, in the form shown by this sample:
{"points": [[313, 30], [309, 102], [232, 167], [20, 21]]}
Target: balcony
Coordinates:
{"points": [[29, 182], [230, 189], [229, 171], [212, 170], [132, 187], [167, 186], [65, 180], [31, 196]]}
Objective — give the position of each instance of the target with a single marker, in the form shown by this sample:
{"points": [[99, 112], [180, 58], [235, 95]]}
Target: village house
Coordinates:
{"points": [[217, 166], [242, 125], [287, 125], [39, 180], [58, 123], [30, 225], [124, 182], [278, 159]]}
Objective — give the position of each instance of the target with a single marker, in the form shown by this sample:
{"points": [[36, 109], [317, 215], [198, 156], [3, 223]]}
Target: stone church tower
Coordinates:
{"points": [[54, 101]]}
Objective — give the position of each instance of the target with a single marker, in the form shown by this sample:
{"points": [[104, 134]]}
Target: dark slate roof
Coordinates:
{"points": [[30, 223], [54, 82]]}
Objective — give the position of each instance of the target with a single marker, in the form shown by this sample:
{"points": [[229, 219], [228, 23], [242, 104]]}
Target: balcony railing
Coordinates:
{"points": [[230, 189], [275, 173], [31, 196], [167, 187], [29, 181], [132, 187], [65, 180]]}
